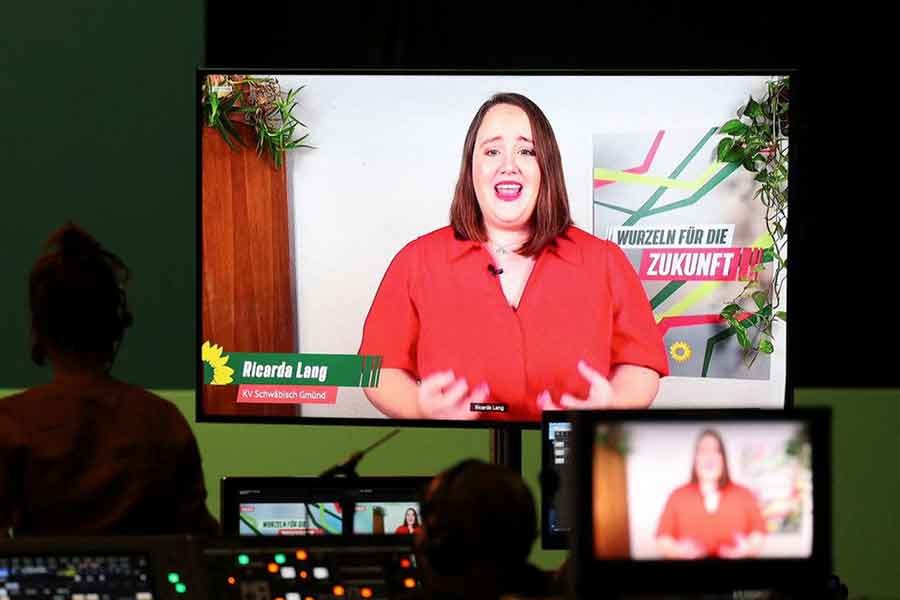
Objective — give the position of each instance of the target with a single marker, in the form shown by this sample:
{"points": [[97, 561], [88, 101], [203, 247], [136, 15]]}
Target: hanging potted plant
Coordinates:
{"points": [[260, 103]]}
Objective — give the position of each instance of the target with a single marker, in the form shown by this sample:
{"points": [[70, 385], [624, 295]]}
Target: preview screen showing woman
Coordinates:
{"points": [[680, 491], [483, 248], [378, 518]]}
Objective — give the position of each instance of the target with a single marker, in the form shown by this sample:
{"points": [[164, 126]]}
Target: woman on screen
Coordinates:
{"points": [[710, 517], [511, 310], [410, 524]]}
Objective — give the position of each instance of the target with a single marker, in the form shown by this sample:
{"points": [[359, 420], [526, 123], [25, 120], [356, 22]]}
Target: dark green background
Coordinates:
{"points": [[98, 127], [98, 117]]}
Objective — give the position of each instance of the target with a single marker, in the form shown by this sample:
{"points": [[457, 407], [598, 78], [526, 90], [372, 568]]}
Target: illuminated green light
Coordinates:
{"points": [[174, 578], [243, 559], [280, 558], [180, 588]]}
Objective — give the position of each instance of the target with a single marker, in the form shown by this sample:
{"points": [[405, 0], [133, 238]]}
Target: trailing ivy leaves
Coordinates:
{"points": [[730, 151], [758, 140], [753, 109], [741, 331], [760, 299], [734, 127], [737, 154], [729, 311], [724, 148]]}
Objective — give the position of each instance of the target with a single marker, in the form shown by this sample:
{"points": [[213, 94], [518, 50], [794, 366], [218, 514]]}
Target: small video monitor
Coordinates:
{"points": [[556, 484], [284, 506], [386, 508], [701, 501]]}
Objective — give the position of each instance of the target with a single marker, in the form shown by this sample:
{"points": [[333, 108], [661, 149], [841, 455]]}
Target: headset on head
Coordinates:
{"points": [[123, 317], [444, 550]]}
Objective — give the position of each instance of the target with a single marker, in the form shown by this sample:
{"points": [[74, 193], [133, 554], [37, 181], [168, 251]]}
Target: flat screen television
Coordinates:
{"points": [[429, 252]]}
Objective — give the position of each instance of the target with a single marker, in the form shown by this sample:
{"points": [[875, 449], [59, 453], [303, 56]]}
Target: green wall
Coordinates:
{"points": [[98, 126]]}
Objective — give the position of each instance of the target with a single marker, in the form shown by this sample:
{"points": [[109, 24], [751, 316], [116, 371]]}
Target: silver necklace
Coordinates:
{"points": [[502, 250]]}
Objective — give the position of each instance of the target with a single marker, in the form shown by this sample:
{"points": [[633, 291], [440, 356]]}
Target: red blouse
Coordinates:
{"points": [[686, 517], [439, 307]]}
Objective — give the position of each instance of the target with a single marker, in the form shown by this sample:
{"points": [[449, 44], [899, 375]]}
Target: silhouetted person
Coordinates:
{"points": [[87, 454], [478, 525]]}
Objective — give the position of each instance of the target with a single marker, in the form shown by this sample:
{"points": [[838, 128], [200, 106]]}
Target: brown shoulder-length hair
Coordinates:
{"points": [[551, 215], [725, 477]]}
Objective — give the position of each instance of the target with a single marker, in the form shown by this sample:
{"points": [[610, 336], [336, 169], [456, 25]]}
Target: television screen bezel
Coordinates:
{"points": [[202, 416], [717, 575]]}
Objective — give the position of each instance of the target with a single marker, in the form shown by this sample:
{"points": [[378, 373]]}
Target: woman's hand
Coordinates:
{"points": [[688, 549], [600, 394], [628, 386], [744, 546], [683, 549], [442, 396], [439, 396]]}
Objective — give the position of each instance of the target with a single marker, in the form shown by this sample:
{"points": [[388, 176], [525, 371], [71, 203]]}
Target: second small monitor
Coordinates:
{"points": [[702, 501], [273, 506]]}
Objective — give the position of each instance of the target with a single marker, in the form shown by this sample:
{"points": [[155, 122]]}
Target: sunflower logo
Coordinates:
{"points": [[680, 351], [212, 355]]}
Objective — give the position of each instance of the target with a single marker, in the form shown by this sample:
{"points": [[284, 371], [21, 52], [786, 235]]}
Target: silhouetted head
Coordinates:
{"points": [[79, 310], [477, 512]]}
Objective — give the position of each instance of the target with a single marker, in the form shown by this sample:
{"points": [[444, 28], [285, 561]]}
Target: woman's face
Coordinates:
{"points": [[505, 170], [709, 462], [410, 517]]}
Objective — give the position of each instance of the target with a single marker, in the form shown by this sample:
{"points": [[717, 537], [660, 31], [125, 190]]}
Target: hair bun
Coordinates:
{"points": [[73, 241]]}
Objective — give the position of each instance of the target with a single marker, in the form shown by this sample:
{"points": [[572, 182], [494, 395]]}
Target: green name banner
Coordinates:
{"points": [[336, 370]]}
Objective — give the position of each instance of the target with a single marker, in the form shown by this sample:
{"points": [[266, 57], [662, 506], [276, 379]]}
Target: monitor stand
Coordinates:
{"points": [[506, 447]]}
